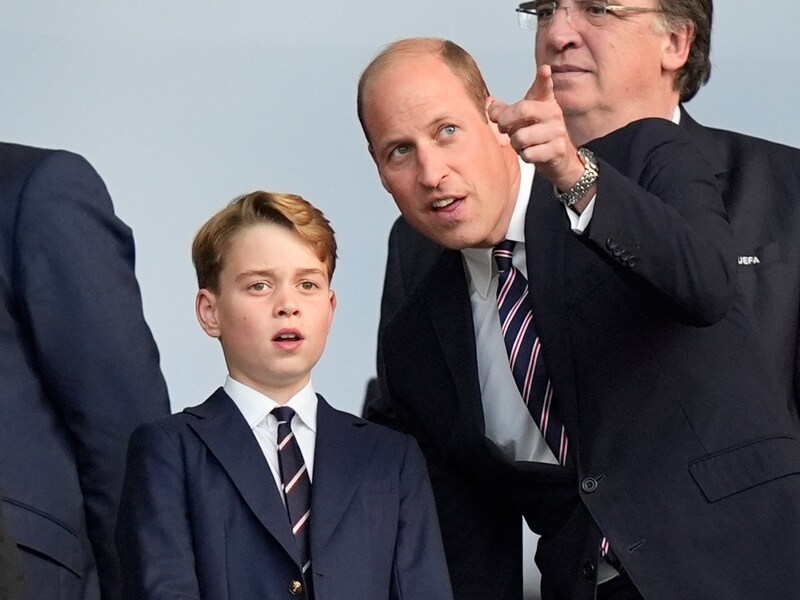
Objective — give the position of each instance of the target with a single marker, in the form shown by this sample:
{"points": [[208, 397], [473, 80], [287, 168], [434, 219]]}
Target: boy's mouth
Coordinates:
{"points": [[288, 335]]}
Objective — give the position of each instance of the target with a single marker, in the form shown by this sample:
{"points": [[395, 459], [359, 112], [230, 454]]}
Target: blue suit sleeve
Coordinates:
{"points": [[75, 282], [420, 569], [669, 228], [154, 537]]}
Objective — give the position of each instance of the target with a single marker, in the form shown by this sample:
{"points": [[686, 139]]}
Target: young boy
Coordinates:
{"points": [[264, 491]]}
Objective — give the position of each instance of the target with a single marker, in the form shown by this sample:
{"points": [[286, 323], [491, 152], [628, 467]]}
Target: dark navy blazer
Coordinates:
{"points": [[683, 449], [78, 369], [201, 516], [760, 186]]}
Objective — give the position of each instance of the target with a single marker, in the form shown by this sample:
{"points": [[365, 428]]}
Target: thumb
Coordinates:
{"points": [[494, 109], [542, 88]]}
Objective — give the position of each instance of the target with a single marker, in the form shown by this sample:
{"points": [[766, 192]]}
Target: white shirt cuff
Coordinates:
{"points": [[579, 222]]}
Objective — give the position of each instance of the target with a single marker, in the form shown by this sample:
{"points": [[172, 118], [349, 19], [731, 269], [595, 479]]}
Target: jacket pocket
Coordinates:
{"points": [[36, 531], [733, 470]]}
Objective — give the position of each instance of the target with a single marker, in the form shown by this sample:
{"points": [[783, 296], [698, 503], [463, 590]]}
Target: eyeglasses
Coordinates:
{"points": [[540, 14]]}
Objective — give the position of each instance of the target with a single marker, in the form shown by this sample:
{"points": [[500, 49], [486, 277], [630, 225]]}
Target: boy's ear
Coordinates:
{"points": [[333, 309], [205, 306]]}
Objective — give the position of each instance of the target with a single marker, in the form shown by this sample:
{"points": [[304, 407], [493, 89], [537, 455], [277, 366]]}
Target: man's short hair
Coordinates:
{"points": [[454, 56], [212, 242], [697, 70]]}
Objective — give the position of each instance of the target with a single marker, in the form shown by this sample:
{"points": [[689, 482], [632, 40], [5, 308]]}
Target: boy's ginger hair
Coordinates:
{"points": [[211, 243]]}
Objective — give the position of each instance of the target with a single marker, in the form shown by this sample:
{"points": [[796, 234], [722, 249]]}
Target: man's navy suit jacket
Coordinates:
{"points": [[78, 369], [682, 448], [760, 186], [201, 516]]}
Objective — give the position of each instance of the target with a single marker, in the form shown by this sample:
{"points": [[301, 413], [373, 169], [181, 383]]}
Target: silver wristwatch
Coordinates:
{"points": [[591, 169]]}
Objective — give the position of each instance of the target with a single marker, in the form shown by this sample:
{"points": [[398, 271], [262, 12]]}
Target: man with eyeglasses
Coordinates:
{"points": [[601, 88], [605, 76]]}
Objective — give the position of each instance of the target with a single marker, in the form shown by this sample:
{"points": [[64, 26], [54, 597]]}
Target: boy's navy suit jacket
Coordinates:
{"points": [[201, 516]]}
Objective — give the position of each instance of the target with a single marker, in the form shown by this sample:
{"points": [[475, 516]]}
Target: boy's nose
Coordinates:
{"points": [[286, 305]]}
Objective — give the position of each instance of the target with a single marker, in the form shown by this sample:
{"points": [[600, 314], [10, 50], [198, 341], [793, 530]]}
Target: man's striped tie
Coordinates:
{"points": [[527, 361], [296, 484], [524, 350]]}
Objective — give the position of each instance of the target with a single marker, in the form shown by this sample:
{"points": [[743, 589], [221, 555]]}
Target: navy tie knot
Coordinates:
{"points": [[503, 254], [284, 414]]}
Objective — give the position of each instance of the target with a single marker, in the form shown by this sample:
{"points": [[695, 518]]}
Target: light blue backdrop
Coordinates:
{"points": [[182, 105]]}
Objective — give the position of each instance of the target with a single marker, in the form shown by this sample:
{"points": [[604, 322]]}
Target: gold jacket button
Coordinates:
{"points": [[295, 588]]}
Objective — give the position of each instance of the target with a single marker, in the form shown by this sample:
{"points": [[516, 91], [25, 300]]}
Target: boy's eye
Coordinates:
{"points": [[308, 285], [259, 286]]}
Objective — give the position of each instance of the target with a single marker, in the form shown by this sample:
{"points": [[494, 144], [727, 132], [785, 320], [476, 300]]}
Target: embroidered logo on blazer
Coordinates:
{"points": [[749, 260]]}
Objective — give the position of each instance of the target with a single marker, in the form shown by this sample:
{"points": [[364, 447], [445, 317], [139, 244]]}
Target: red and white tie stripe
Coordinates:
{"points": [[524, 351], [296, 484]]}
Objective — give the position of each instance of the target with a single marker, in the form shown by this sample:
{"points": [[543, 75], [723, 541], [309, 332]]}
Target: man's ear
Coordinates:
{"points": [[375, 160], [205, 306], [677, 44]]}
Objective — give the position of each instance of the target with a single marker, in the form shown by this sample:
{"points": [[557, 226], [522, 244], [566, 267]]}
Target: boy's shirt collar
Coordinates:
{"points": [[255, 406]]}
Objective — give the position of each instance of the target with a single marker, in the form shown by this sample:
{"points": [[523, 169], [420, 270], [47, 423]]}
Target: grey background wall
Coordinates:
{"points": [[182, 105]]}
